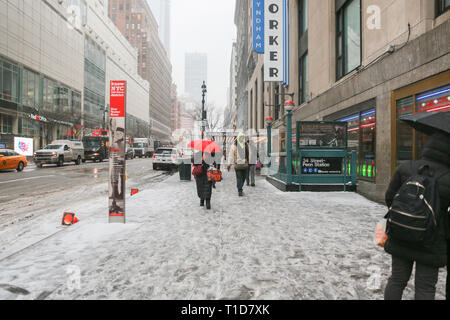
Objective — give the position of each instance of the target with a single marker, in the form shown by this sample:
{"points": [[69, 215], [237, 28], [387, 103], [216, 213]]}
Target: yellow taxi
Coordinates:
{"points": [[11, 160]]}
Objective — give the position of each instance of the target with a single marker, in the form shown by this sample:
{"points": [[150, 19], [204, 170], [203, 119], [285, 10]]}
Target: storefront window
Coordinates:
{"points": [[362, 139], [409, 145], [30, 128]]}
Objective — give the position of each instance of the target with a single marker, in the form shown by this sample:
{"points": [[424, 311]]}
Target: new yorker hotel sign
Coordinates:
{"points": [[274, 42]]}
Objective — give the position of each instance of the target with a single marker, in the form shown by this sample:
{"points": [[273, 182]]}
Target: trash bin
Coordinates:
{"points": [[185, 171]]}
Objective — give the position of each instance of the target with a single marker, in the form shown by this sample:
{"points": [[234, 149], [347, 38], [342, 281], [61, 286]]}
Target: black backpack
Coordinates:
{"points": [[415, 212]]}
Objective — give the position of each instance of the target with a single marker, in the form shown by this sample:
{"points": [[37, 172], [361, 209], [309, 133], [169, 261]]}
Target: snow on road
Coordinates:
{"points": [[266, 245]]}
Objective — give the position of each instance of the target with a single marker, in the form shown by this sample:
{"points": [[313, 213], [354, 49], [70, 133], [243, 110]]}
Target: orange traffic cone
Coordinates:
{"points": [[75, 220], [134, 191], [67, 219]]}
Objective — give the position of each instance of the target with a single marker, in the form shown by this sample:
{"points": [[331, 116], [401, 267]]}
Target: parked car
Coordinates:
{"points": [[11, 160], [143, 147], [129, 154], [60, 152], [96, 148], [166, 158]]}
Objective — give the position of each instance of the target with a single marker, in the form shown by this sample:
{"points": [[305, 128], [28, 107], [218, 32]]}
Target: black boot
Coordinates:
{"points": [[208, 204], [202, 203], [241, 193]]}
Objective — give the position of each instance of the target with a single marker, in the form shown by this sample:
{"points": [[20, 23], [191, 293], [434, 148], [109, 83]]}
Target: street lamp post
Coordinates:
{"points": [[203, 108], [289, 106], [269, 121]]}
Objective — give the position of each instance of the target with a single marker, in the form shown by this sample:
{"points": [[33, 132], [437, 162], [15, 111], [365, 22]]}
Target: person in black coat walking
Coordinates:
{"points": [[204, 187], [436, 154]]}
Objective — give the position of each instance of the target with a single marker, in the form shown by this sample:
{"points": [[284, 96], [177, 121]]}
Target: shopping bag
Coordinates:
{"points": [[214, 175], [380, 235], [258, 165]]}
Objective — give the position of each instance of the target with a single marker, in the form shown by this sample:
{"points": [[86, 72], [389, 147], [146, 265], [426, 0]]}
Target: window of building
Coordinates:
{"points": [[6, 124], [409, 142], [348, 36], [304, 79], [30, 128], [362, 139], [30, 89], [9, 85], [442, 6]]}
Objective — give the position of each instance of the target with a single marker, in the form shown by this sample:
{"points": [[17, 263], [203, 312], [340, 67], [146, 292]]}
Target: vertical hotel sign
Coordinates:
{"points": [[258, 26], [117, 145], [276, 44]]}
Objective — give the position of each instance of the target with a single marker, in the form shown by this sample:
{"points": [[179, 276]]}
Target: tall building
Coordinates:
{"points": [[137, 23], [161, 10], [196, 71], [176, 109], [241, 20], [55, 70], [362, 62]]}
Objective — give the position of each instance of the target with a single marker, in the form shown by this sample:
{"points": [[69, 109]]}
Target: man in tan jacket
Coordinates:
{"points": [[239, 157]]}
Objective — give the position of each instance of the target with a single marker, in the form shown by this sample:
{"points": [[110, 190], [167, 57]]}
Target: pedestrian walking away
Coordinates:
{"points": [[204, 187], [239, 158], [415, 238]]}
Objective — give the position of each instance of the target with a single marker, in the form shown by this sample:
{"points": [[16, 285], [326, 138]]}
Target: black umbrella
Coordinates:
{"points": [[429, 122]]}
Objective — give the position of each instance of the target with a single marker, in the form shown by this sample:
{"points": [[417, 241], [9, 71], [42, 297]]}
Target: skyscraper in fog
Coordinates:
{"points": [[196, 71], [161, 11]]}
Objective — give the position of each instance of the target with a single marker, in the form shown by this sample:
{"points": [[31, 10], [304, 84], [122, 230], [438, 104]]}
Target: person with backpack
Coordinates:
{"points": [[417, 224], [239, 157]]}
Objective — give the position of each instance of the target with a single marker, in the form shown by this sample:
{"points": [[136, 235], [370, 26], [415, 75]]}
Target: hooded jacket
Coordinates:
{"points": [[436, 154]]}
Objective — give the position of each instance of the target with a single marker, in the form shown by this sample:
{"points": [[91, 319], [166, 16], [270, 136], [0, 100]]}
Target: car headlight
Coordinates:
{"points": [[35, 154], [55, 154]]}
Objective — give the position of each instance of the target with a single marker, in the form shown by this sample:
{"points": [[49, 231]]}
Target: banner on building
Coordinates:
{"points": [[23, 146], [276, 44], [117, 143], [258, 26]]}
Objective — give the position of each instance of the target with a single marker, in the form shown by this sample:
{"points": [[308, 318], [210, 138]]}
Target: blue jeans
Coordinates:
{"points": [[241, 175]]}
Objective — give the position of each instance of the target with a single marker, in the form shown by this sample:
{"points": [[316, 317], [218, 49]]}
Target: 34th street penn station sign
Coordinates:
{"points": [[272, 38]]}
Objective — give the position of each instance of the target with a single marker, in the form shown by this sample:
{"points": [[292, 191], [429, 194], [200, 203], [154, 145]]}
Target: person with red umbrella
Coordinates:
{"points": [[201, 161]]}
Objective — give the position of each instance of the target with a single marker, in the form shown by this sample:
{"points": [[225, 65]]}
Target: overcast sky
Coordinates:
{"points": [[204, 26]]}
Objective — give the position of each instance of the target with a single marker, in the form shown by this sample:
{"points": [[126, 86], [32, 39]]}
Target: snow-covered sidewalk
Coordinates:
{"points": [[265, 245]]}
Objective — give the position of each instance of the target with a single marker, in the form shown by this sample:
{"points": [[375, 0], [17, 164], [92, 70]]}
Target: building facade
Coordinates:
{"points": [[54, 70], [176, 109], [242, 22], [137, 23], [196, 71], [363, 62], [161, 10]]}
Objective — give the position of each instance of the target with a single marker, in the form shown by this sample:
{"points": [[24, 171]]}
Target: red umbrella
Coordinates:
{"points": [[204, 146]]}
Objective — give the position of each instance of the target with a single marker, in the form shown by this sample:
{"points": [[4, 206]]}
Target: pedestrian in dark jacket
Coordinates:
{"points": [[204, 187], [436, 154]]}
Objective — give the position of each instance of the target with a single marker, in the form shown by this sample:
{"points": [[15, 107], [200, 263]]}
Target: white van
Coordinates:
{"points": [[60, 152]]}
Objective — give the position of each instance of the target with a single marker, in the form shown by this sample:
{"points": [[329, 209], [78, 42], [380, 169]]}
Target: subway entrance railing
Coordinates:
{"points": [[320, 160]]}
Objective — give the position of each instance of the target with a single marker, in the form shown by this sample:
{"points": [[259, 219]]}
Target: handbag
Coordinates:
{"points": [[198, 170], [214, 175], [258, 165]]}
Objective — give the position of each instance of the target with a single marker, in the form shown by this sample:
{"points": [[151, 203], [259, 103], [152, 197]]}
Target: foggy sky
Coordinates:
{"points": [[204, 26]]}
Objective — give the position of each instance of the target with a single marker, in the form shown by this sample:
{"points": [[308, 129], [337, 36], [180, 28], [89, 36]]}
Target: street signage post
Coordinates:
{"points": [[117, 142]]}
